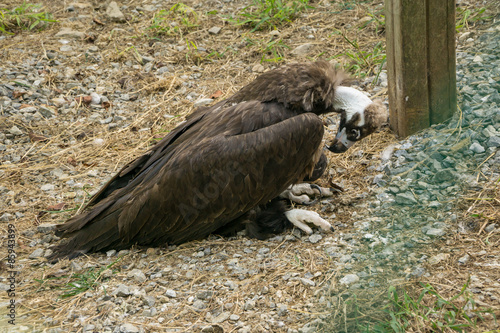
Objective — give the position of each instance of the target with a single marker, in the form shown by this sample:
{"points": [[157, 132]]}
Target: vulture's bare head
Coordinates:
{"points": [[359, 117]]}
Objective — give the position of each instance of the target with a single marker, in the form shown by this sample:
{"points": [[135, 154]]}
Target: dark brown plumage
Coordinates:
{"points": [[216, 168]]}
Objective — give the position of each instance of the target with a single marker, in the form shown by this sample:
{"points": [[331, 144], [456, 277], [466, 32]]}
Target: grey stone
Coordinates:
{"points": [[170, 293], [110, 253], [199, 305], [477, 148], [417, 271], [214, 30], [129, 328], [204, 294], [38, 253], [114, 12], [47, 187], [68, 33], [6, 217], [221, 317], [121, 291], [494, 141], [406, 198], [137, 275], [444, 175], [149, 300], [490, 227], [463, 260], [45, 228], [249, 305], [303, 49], [66, 48], [307, 282], [314, 238], [202, 102], [234, 317], [349, 279], [15, 130], [434, 232]]}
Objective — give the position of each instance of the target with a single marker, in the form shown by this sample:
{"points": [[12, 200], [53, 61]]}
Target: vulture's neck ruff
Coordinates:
{"points": [[360, 116], [351, 101]]}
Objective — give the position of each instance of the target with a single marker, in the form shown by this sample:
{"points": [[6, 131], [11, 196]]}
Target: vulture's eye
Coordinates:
{"points": [[355, 133]]}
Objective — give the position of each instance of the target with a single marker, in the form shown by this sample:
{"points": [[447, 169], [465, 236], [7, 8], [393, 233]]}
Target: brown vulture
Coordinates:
{"points": [[220, 170]]}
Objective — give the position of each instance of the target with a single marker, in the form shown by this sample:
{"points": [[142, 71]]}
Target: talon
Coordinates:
{"points": [[309, 203], [314, 186]]}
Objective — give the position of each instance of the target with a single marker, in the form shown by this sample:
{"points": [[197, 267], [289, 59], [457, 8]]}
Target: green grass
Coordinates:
{"points": [[272, 50], [269, 14], [80, 282], [24, 17], [363, 63], [178, 20], [430, 312], [466, 17]]}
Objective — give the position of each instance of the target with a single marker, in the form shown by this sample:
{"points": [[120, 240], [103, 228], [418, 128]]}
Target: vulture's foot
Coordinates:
{"points": [[300, 218], [302, 193]]}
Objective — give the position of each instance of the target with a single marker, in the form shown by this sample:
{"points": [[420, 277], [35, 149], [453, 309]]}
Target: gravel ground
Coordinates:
{"points": [[69, 120]]}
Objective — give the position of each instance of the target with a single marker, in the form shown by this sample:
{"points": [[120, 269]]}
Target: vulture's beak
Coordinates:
{"points": [[341, 143]]}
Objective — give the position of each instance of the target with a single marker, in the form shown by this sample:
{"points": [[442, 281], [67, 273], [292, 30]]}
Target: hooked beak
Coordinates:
{"points": [[340, 144]]}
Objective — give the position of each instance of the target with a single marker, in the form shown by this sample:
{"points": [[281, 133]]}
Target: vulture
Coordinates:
{"points": [[226, 166]]}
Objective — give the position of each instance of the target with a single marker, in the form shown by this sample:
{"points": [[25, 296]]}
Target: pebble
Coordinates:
{"points": [[121, 291], [129, 328], [6, 217], [114, 13], [463, 260], [170, 293], [494, 141], [47, 187], [406, 198], [307, 282], [221, 318], [38, 253], [435, 232], [214, 30], [477, 148], [303, 49], [349, 279], [258, 68], [137, 275], [15, 130], [249, 305], [203, 102], [45, 228], [314, 238]]}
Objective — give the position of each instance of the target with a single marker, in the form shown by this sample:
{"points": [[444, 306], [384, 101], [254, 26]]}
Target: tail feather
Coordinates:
{"points": [[101, 235]]}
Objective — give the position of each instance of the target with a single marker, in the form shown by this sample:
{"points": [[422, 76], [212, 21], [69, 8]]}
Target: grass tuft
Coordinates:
{"points": [[363, 63], [25, 17], [431, 311], [466, 17], [270, 14], [178, 20]]}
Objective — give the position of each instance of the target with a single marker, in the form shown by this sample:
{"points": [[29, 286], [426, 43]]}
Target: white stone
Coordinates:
{"points": [[47, 187], [349, 279], [303, 49], [114, 12]]}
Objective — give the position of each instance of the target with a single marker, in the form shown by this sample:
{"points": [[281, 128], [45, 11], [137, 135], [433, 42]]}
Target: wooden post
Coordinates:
{"points": [[420, 63]]}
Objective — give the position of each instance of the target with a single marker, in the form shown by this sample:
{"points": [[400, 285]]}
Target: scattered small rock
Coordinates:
{"points": [[214, 30], [114, 12], [303, 49], [349, 279], [121, 291]]}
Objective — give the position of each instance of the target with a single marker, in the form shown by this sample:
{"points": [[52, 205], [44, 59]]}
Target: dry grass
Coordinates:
{"points": [[71, 147]]}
